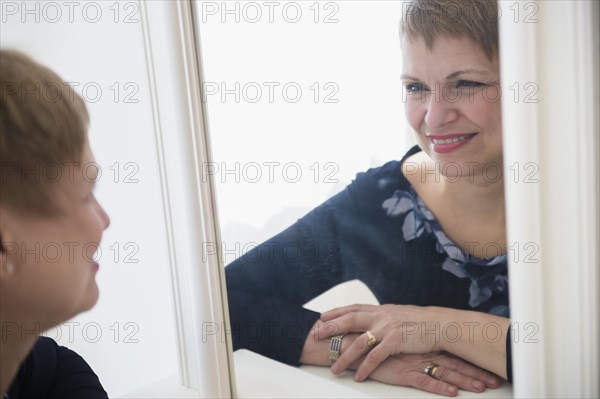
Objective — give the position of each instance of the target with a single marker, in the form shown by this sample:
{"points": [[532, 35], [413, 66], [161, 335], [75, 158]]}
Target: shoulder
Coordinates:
{"points": [[74, 377], [52, 370], [36, 374], [383, 181]]}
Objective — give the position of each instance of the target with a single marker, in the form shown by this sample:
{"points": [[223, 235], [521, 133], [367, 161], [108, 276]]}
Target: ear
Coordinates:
{"points": [[3, 223], [7, 246]]}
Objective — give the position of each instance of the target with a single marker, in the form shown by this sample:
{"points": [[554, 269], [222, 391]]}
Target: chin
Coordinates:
{"points": [[88, 299], [91, 298]]}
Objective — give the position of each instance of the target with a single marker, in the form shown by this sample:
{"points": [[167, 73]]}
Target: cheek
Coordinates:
{"points": [[87, 232], [92, 219], [92, 236], [486, 113], [414, 112]]}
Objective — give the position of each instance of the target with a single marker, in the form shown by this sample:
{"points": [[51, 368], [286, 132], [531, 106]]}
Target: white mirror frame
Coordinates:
{"points": [[559, 136], [190, 213]]}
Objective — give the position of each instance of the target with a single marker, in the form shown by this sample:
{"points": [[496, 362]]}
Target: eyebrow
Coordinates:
{"points": [[452, 75]]}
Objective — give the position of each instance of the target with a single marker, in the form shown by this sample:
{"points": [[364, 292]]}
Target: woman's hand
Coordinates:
{"points": [[397, 328], [404, 329], [452, 374]]}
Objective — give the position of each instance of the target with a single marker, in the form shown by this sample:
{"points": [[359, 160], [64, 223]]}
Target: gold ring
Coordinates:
{"points": [[372, 340], [431, 369]]}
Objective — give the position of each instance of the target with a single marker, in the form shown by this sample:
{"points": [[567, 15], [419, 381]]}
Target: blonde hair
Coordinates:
{"points": [[43, 126], [430, 19]]}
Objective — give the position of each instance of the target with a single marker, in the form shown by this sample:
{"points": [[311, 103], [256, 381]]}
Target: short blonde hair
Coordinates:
{"points": [[42, 127], [430, 19]]}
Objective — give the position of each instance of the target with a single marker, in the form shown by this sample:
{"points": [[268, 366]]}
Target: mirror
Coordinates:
{"points": [[122, 329], [301, 96]]}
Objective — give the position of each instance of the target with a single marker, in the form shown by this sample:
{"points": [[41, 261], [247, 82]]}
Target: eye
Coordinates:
{"points": [[412, 88], [468, 83]]}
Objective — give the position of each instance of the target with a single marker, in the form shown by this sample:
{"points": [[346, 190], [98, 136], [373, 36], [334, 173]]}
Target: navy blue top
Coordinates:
{"points": [[55, 372], [378, 231]]}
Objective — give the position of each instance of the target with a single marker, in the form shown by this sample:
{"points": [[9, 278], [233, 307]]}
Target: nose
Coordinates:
{"points": [[440, 111], [104, 216]]}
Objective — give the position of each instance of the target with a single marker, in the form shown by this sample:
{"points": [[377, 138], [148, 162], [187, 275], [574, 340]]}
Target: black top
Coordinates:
{"points": [[378, 231], [55, 372]]}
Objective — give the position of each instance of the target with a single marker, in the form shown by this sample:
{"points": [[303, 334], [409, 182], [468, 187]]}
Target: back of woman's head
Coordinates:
{"points": [[43, 130], [430, 19]]}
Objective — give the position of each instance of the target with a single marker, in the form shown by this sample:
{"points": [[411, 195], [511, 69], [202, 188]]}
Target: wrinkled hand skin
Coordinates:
{"points": [[453, 374], [398, 329], [407, 329]]}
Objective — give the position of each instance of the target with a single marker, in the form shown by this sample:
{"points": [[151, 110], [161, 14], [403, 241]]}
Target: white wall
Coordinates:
{"points": [[348, 51], [134, 315]]}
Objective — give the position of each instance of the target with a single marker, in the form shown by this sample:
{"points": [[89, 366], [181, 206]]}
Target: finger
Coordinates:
{"points": [[426, 383], [463, 367], [355, 351], [374, 359], [337, 312], [460, 380], [350, 322], [326, 330], [329, 329]]}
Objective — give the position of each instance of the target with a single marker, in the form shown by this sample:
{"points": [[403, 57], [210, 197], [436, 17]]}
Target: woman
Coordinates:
{"points": [[50, 227], [426, 234]]}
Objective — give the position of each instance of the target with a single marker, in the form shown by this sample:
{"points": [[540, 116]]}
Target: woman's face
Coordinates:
{"points": [[53, 277], [452, 102]]}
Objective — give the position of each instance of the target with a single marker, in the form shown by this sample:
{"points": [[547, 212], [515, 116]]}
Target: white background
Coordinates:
{"points": [[349, 50]]}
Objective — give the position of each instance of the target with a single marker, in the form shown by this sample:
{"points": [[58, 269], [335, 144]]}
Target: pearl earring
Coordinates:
{"points": [[9, 267]]}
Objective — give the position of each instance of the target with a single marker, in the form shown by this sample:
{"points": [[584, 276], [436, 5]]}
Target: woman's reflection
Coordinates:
{"points": [[426, 234]]}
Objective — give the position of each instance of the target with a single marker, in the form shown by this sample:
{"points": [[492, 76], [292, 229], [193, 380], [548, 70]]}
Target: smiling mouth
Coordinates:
{"points": [[452, 140]]}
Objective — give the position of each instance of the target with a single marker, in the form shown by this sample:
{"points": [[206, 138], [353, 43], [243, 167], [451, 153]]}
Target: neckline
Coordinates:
{"points": [[451, 249], [456, 252], [413, 150]]}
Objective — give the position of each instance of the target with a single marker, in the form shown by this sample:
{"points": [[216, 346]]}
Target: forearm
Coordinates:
{"points": [[479, 338]]}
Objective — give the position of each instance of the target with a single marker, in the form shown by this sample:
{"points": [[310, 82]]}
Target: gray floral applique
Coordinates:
{"points": [[415, 222], [488, 276]]}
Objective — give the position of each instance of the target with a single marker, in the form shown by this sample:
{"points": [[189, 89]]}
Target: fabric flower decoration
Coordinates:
{"points": [[488, 276], [405, 202]]}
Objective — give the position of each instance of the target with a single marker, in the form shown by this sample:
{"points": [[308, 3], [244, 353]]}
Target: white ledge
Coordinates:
{"points": [[260, 377]]}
